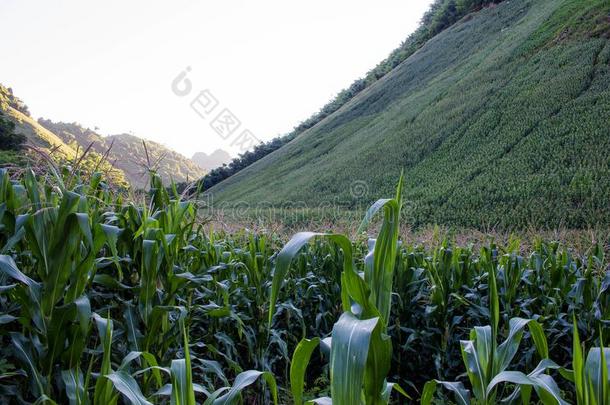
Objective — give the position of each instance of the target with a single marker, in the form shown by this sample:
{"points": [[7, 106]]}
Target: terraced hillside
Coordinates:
{"points": [[500, 120]]}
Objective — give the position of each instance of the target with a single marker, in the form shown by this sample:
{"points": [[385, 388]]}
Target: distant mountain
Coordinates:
{"points": [[211, 161], [125, 163], [128, 154], [48, 142]]}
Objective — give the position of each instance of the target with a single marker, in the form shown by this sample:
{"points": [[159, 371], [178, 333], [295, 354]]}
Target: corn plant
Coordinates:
{"points": [[591, 377], [486, 363], [71, 249], [360, 346], [55, 309]]}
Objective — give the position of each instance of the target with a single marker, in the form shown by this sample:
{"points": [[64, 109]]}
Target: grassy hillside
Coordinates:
{"points": [[498, 120], [441, 15], [37, 137], [15, 110], [128, 154]]}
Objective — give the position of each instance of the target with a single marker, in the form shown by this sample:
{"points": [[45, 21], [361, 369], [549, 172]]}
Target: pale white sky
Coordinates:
{"points": [[273, 63]]}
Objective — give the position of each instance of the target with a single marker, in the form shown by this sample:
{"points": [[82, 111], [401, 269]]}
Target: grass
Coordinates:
{"points": [[10, 158], [496, 122]]}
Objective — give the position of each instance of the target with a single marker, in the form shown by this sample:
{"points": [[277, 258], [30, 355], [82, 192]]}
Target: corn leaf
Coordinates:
{"points": [[298, 366], [127, 386], [349, 351]]}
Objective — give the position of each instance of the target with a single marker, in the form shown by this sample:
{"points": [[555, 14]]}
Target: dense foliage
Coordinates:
{"points": [[244, 160], [9, 140], [8, 99], [105, 301], [441, 15], [498, 121]]}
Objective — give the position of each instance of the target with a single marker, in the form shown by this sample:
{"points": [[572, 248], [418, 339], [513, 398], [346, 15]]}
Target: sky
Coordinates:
{"points": [[176, 72]]}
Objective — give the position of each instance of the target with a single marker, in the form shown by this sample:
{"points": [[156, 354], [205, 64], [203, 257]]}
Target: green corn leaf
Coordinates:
{"points": [[166, 390], [151, 262], [380, 275], [545, 386], [484, 350], [75, 388], [514, 377], [103, 393], [38, 382], [31, 186], [131, 324], [298, 366], [14, 239], [83, 312], [578, 365], [282, 265], [320, 401], [539, 338], [149, 360], [605, 367], [494, 302], [349, 351], [4, 319], [370, 213], [44, 400], [355, 286], [214, 367], [182, 390], [242, 381], [462, 396], [393, 387], [378, 364], [596, 370], [85, 228], [211, 397], [507, 350], [112, 234], [476, 374], [9, 267], [548, 391], [182, 387], [126, 385]]}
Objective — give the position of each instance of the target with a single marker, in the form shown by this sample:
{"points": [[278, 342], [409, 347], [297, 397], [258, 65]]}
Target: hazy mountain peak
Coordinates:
{"points": [[211, 161]]}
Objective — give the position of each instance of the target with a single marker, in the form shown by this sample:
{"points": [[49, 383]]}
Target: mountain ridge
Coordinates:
{"points": [[127, 153], [215, 159]]}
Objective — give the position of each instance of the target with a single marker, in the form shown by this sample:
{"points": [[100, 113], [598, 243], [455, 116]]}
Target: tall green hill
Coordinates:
{"points": [[502, 119]]}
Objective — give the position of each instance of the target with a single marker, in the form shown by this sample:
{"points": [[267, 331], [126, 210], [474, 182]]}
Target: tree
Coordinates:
{"points": [[9, 140]]}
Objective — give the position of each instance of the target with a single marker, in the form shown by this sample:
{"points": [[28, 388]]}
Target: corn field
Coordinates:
{"points": [[104, 300]]}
